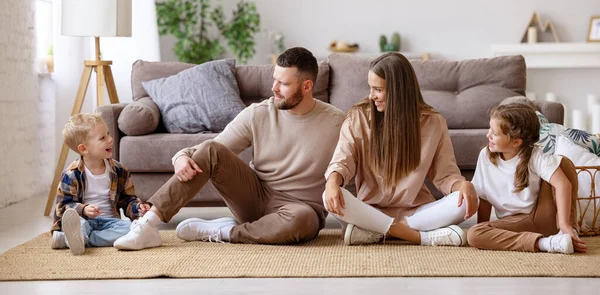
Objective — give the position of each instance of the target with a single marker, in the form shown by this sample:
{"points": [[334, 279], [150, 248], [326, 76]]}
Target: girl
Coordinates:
{"points": [[508, 176], [391, 142]]}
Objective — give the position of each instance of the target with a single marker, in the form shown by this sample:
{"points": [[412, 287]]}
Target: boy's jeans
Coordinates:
{"points": [[102, 232]]}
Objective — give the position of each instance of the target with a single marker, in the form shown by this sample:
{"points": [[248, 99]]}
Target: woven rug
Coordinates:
{"points": [[325, 256]]}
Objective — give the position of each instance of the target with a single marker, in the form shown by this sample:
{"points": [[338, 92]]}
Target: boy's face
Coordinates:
{"points": [[99, 143]]}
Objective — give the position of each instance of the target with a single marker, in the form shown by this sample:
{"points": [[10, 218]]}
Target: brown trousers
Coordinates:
{"points": [[521, 232], [266, 216]]}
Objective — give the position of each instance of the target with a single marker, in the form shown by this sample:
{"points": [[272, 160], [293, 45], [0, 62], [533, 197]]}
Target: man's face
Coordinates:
{"points": [[287, 88]]}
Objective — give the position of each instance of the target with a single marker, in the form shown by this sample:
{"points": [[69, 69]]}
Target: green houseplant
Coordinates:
{"points": [[191, 22]]}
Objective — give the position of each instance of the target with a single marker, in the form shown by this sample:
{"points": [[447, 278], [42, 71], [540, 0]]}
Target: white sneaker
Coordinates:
{"points": [[197, 229], [71, 227], [58, 240], [561, 243], [355, 235], [447, 236], [141, 236]]}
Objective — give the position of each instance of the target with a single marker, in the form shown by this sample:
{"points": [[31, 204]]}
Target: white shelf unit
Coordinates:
{"points": [[553, 55]]}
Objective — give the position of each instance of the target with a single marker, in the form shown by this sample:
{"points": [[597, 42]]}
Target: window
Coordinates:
{"points": [[43, 25]]}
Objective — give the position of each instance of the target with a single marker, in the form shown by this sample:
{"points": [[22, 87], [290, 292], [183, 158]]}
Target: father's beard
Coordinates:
{"points": [[288, 103]]}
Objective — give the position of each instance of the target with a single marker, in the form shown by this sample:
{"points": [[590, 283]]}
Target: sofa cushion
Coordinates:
{"points": [[139, 117], [142, 71], [456, 89], [203, 98], [255, 82], [153, 152]]}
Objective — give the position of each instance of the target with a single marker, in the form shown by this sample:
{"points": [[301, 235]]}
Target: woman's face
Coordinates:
{"points": [[377, 90]]}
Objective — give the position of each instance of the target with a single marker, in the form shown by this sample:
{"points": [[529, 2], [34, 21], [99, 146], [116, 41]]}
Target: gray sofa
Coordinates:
{"points": [[462, 91]]}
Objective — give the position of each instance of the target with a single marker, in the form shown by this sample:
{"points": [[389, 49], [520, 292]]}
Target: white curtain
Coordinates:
{"points": [[70, 52], [22, 114]]}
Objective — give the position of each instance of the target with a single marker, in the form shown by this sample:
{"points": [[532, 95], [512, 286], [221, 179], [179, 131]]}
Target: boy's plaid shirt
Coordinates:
{"points": [[72, 187]]}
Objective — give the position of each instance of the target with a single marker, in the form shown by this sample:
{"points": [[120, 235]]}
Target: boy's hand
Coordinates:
{"points": [[92, 211], [144, 207]]}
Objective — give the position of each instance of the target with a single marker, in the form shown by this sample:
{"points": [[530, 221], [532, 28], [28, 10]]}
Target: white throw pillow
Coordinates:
{"points": [[582, 157]]}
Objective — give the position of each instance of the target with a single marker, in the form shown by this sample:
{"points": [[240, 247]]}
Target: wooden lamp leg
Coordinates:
{"points": [[83, 85], [110, 85]]}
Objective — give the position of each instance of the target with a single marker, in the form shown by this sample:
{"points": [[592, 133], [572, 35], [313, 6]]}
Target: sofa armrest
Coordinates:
{"points": [[553, 111], [110, 114]]}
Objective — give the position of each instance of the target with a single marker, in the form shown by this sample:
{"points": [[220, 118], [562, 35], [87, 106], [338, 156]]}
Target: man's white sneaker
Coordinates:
{"points": [[561, 243], [58, 240], [141, 236], [197, 229], [447, 236], [355, 235], [71, 227]]}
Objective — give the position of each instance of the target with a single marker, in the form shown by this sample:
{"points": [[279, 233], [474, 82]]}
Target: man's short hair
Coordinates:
{"points": [[78, 128], [302, 59]]}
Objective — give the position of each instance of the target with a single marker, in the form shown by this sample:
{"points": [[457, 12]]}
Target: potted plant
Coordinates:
{"points": [[190, 21]]}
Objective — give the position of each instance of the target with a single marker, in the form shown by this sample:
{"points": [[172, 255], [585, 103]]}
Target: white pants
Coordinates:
{"points": [[434, 215]]}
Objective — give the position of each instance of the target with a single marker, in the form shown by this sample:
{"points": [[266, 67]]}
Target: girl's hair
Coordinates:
{"points": [[518, 122], [396, 133]]}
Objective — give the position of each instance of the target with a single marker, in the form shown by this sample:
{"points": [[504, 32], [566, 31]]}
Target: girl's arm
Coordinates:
{"points": [[563, 190], [484, 212]]}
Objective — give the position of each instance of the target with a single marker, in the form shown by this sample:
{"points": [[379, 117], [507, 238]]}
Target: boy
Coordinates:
{"points": [[92, 190]]}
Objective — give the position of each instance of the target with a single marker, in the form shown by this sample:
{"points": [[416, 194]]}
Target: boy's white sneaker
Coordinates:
{"points": [[71, 227], [560, 243], [141, 236], [354, 235], [447, 236], [58, 240], [197, 229]]}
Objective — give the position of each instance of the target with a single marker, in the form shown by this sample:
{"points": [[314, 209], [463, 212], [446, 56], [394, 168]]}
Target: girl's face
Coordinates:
{"points": [[502, 143], [377, 92]]}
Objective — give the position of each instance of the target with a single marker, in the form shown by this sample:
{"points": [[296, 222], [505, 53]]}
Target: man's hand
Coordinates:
{"points": [[186, 168], [92, 211], [468, 193]]}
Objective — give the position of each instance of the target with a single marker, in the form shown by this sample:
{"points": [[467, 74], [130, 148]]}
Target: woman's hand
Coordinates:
{"points": [[334, 199], [186, 168], [578, 244], [468, 194]]}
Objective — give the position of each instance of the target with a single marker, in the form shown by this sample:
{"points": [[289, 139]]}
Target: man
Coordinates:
{"points": [[277, 199]]}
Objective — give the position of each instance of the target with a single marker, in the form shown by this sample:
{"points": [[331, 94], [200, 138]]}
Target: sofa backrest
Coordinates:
{"points": [[254, 82], [456, 89]]}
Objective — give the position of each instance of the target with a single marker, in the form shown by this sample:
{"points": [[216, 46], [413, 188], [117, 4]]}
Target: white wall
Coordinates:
{"points": [[450, 30], [26, 120]]}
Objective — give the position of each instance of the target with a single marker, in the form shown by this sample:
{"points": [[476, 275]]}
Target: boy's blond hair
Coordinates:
{"points": [[78, 128]]}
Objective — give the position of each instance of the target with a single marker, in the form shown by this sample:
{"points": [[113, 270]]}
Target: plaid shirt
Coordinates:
{"points": [[72, 186]]}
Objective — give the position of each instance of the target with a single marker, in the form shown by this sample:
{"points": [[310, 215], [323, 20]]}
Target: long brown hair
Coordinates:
{"points": [[396, 133], [518, 122]]}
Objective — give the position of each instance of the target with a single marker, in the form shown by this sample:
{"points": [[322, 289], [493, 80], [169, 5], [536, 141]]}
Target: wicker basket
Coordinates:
{"points": [[588, 208]]}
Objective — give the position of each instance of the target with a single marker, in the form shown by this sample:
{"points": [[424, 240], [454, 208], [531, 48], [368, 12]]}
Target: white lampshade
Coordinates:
{"points": [[97, 18]]}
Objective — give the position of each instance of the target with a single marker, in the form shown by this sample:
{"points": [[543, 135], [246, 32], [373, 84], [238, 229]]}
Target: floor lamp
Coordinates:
{"points": [[91, 18]]}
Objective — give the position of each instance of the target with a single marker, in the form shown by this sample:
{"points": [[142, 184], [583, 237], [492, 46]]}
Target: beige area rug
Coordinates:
{"points": [[326, 256]]}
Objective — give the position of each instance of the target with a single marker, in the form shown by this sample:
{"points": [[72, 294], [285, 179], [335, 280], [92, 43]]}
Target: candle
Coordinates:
{"points": [[550, 96], [532, 35], [578, 119]]}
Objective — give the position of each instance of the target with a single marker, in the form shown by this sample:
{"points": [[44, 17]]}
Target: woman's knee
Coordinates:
{"points": [[474, 235]]}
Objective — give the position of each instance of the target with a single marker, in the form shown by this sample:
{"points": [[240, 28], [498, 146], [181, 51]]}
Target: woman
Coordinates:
{"points": [[391, 142]]}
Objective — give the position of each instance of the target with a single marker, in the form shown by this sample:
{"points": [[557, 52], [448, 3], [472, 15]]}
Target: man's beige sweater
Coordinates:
{"points": [[290, 152]]}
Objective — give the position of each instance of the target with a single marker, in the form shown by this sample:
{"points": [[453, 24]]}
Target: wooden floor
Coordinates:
{"points": [[23, 221]]}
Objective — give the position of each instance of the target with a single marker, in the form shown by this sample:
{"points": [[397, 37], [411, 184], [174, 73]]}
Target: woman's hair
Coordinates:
{"points": [[396, 133], [518, 122]]}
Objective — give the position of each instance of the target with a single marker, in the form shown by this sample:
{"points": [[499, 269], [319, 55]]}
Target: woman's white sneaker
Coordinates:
{"points": [[447, 236]]}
